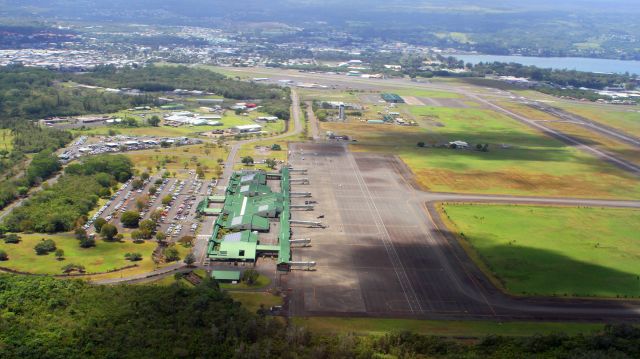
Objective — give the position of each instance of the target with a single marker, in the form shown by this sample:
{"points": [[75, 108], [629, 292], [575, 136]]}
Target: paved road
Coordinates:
{"points": [[8, 209], [298, 126], [460, 197], [313, 121], [607, 131]]}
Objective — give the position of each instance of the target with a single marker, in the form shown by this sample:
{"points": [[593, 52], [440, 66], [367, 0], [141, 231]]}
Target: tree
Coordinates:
{"points": [[189, 259], [156, 215], [137, 184], [271, 163], [421, 144], [12, 238], [153, 190], [171, 254], [145, 176], [108, 232], [247, 160], [73, 267], [45, 246], [276, 147], [80, 233], [59, 254], [141, 202], [130, 219], [161, 236], [167, 199], [99, 223], [148, 228], [87, 243], [137, 235], [154, 121], [3, 255], [250, 276], [186, 241], [133, 257]]}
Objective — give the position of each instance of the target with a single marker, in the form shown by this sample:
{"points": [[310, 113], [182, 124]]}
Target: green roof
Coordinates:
{"points": [[392, 97], [229, 275], [247, 202]]}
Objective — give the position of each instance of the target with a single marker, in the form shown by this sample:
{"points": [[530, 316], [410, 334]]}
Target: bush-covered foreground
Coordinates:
{"points": [[57, 208], [42, 317]]}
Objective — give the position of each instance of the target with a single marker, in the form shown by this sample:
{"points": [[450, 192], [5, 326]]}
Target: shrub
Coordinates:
{"points": [[73, 267], [12, 238], [87, 243], [3, 255], [99, 223], [250, 276], [134, 257], [130, 219], [45, 246], [171, 254], [108, 232]]}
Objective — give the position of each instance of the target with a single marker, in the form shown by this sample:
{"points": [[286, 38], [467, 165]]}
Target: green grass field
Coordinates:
{"points": [[253, 300], [529, 164], [377, 326], [559, 251], [103, 257], [229, 120], [176, 159], [262, 282], [625, 118]]}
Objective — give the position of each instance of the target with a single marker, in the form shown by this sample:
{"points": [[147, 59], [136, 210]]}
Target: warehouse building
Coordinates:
{"points": [[246, 129]]}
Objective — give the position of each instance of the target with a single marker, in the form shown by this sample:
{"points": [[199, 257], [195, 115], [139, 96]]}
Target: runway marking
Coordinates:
{"points": [[435, 225], [403, 279]]}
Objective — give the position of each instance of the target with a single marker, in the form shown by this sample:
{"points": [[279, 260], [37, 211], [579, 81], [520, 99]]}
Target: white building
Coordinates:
{"points": [[459, 144], [246, 129]]}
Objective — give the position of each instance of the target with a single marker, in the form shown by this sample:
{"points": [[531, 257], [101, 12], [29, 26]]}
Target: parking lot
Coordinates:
{"points": [[85, 146], [178, 217]]}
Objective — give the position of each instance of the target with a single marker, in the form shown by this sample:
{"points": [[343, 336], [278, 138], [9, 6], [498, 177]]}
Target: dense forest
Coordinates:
{"points": [[65, 205], [169, 78], [32, 93], [42, 318], [556, 77], [29, 138], [274, 99]]}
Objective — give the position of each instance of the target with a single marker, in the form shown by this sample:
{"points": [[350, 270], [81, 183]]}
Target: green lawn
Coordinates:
{"points": [[175, 159], [536, 250], [529, 163], [103, 257], [253, 300], [378, 326], [625, 118], [262, 282]]}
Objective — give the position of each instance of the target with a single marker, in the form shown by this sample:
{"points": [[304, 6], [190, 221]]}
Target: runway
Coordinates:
{"points": [[386, 253]]}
